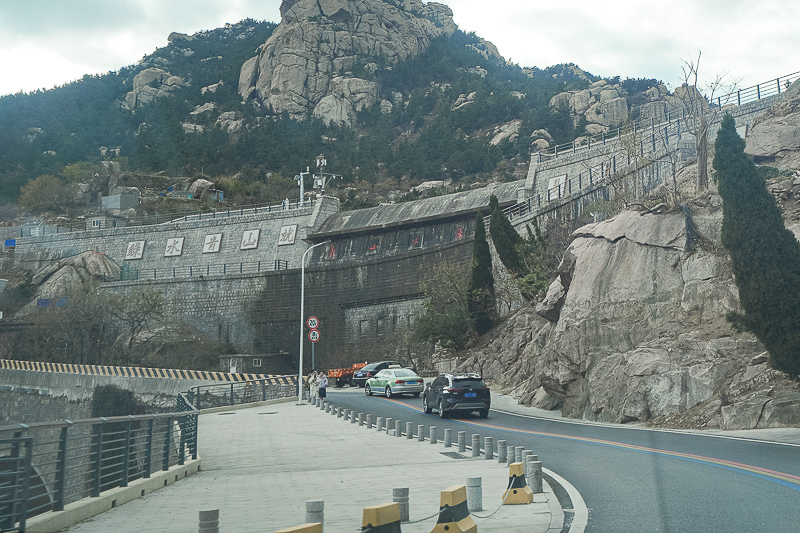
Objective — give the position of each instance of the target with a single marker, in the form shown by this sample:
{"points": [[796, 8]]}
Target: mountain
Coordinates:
{"points": [[390, 91]]}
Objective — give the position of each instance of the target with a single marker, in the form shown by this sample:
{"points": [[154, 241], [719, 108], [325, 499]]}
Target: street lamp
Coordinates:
{"points": [[302, 319]]}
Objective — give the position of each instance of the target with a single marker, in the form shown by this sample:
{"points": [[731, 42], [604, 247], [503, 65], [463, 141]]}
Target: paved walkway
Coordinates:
{"points": [[261, 464]]}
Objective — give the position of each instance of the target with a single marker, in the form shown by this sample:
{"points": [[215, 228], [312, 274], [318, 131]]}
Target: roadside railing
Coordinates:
{"points": [[739, 97], [41, 230], [45, 466], [191, 271], [236, 393]]}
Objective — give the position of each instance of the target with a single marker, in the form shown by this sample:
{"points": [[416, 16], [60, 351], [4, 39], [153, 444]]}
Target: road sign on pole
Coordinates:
{"points": [[313, 335], [312, 322]]}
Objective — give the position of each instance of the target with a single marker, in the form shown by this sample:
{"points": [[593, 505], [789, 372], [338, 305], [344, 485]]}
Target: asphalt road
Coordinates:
{"points": [[634, 479]]}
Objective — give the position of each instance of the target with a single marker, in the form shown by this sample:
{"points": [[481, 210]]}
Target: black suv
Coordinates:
{"points": [[449, 393], [361, 375]]}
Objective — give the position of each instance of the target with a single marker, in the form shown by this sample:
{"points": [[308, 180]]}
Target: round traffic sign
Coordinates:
{"points": [[312, 322], [313, 335]]}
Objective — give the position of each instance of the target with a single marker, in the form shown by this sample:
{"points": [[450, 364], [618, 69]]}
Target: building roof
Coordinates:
{"points": [[417, 211]]}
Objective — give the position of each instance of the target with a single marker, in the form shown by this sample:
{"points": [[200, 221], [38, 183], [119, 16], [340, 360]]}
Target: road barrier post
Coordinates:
{"points": [[476, 445], [448, 437], [462, 441], [421, 433], [433, 434], [488, 448], [502, 451], [209, 521], [474, 494], [315, 511], [400, 497]]}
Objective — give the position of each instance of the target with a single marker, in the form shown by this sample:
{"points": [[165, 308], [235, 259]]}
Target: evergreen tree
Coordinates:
{"points": [[765, 255], [481, 286], [505, 238]]}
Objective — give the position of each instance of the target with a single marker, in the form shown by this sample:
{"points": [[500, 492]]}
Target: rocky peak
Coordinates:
{"points": [[307, 64]]}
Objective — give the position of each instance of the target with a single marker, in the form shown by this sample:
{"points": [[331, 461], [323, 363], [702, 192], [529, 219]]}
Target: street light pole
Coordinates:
{"points": [[302, 318]]}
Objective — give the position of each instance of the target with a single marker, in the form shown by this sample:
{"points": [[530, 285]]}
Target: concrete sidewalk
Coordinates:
{"points": [[261, 464]]}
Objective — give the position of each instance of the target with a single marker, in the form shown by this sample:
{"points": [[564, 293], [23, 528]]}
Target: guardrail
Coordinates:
{"points": [[259, 390], [739, 97], [759, 91], [45, 466], [192, 271], [41, 230]]}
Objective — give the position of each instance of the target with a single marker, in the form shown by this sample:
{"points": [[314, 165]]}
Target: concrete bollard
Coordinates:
{"points": [[381, 518], [400, 496], [502, 451], [433, 434], [361, 419], [448, 437], [379, 423], [476, 445], [462, 441], [421, 433], [346, 416], [398, 428], [511, 455], [488, 448], [315, 511], [409, 430], [538, 487], [474, 494], [209, 521], [340, 412], [518, 454], [389, 425], [369, 421], [529, 458], [318, 402]]}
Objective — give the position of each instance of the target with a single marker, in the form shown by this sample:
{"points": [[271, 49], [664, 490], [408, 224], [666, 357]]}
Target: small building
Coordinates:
{"points": [[129, 197], [105, 221]]}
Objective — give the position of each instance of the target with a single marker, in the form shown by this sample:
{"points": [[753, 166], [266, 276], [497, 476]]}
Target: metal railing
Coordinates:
{"points": [[45, 466], [41, 230], [739, 97], [191, 271], [260, 390], [759, 91]]}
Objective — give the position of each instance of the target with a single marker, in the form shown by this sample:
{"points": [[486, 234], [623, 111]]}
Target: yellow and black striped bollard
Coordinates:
{"points": [[453, 512], [518, 491]]}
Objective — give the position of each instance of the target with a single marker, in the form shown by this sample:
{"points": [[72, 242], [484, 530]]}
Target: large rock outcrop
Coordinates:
{"points": [[641, 330], [307, 64], [151, 84], [775, 138]]}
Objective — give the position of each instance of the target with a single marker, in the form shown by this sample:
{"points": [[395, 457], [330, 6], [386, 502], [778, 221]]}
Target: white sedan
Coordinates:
{"points": [[393, 382]]}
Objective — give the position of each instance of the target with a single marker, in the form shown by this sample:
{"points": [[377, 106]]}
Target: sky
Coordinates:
{"points": [[46, 43]]}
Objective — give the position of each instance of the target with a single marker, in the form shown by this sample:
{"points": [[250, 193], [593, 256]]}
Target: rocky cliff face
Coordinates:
{"points": [[308, 63], [640, 330]]}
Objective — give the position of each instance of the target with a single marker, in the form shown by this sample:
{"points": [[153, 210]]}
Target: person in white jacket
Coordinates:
{"points": [[313, 387], [323, 385]]}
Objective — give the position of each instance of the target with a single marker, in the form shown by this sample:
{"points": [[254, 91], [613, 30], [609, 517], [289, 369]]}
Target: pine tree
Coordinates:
{"points": [[505, 238], [765, 255], [481, 286]]}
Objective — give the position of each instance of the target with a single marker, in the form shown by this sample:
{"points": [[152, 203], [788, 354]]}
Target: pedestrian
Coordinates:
{"points": [[313, 383], [323, 385]]}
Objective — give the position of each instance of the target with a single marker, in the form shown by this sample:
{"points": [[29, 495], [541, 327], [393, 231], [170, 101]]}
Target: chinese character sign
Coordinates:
{"points": [[135, 250], [250, 239], [174, 247], [213, 243], [287, 235]]}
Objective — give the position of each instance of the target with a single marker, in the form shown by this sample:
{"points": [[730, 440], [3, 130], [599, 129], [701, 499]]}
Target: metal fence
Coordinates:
{"points": [[45, 466], [739, 97], [41, 230], [260, 390], [192, 271]]}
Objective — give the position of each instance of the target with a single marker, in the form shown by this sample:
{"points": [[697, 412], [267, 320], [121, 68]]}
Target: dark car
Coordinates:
{"points": [[451, 393], [361, 375]]}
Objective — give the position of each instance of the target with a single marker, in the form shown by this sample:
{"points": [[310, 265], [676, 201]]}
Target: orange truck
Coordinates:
{"points": [[342, 376]]}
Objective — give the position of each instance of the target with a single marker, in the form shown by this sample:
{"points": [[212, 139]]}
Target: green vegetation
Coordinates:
{"points": [[765, 255], [480, 295], [446, 319], [60, 132], [110, 400]]}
